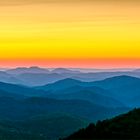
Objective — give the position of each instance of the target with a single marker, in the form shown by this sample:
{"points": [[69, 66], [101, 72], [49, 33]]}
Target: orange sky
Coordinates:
{"points": [[72, 63], [95, 34]]}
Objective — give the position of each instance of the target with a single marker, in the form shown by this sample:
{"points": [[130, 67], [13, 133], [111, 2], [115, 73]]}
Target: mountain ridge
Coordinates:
{"points": [[126, 126]]}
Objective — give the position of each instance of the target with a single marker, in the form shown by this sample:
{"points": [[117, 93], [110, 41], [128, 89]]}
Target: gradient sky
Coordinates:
{"points": [[80, 33]]}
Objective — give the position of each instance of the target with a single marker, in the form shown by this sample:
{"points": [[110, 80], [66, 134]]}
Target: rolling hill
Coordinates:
{"points": [[92, 94], [35, 79], [19, 90], [44, 118], [8, 78], [125, 126], [74, 89], [41, 127], [124, 88], [62, 84]]}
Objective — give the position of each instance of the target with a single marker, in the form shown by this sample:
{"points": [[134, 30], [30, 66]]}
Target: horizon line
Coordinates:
{"points": [[46, 67]]}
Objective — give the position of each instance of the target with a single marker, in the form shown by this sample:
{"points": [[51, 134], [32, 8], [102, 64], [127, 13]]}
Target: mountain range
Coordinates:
{"points": [[124, 89], [37, 112], [36, 76]]}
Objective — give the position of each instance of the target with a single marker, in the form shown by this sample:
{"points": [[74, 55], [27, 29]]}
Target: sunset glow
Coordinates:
{"points": [[91, 34]]}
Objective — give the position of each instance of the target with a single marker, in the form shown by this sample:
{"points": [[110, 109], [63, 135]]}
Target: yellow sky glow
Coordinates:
{"points": [[74, 30]]}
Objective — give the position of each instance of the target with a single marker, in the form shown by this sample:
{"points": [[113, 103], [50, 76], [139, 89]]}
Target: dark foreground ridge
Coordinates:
{"points": [[125, 126]]}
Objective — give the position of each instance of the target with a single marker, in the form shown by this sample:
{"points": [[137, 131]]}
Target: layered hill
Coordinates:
{"points": [[125, 126]]}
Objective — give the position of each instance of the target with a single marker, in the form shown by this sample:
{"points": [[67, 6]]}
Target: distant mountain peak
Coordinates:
{"points": [[122, 77], [64, 70], [61, 84], [117, 81], [67, 81], [136, 70], [32, 69]]}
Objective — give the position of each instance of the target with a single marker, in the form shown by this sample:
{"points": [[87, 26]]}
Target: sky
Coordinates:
{"points": [[70, 33]]}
